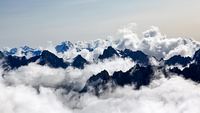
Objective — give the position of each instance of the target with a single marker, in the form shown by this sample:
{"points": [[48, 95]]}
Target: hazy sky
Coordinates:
{"points": [[35, 22]]}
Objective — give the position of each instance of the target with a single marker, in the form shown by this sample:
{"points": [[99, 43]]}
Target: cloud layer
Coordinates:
{"points": [[37, 88]]}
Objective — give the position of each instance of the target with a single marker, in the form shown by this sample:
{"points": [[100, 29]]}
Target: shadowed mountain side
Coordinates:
{"points": [[108, 53], [138, 75], [178, 59], [46, 58], [192, 71], [137, 56], [79, 62], [196, 56]]}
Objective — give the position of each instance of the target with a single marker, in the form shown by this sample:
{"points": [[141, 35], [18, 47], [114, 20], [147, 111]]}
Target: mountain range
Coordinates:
{"points": [[141, 74]]}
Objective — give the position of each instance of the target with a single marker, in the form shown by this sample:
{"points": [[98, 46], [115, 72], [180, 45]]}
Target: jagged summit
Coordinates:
{"points": [[48, 58], [133, 67], [79, 62], [109, 52], [178, 59], [137, 75], [137, 56]]}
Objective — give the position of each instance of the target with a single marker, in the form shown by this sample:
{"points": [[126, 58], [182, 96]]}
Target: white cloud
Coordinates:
{"points": [[163, 95], [36, 75], [25, 99], [175, 95], [155, 44]]}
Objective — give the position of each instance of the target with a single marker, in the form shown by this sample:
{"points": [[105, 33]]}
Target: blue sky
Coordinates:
{"points": [[35, 22]]}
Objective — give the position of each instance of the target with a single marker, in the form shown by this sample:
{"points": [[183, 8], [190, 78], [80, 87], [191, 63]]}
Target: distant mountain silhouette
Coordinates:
{"points": [[178, 59], [97, 83], [196, 56], [138, 75], [46, 58], [108, 53], [79, 62], [137, 56], [14, 62], [192, 72]]}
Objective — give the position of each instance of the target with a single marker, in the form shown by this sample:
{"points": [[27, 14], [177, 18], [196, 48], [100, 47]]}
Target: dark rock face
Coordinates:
{"points": [[14, 62], [137, 56], [97, 83], [192, 72], [196, 56], [108, 53], [79, 62], [137, 75], [178, 60], [48, 58], [1, 55]]}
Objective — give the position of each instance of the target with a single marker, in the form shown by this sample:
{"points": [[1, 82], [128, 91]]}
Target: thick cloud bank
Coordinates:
{"points": [[52, 79], [175, 95]]}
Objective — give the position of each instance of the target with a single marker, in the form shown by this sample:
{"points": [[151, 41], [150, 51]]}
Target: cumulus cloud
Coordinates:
{"points": [[154, 43], [35, 75]]}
